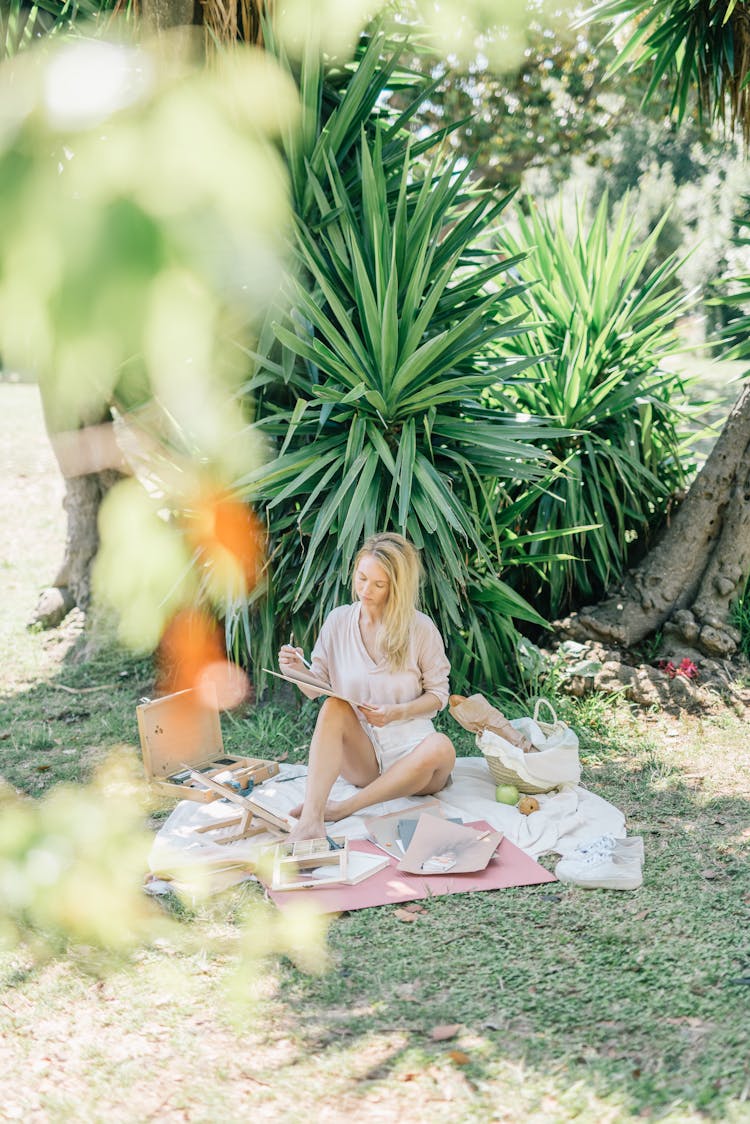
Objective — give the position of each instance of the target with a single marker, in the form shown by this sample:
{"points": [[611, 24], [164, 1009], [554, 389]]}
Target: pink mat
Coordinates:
{"points": [[510, 866]]}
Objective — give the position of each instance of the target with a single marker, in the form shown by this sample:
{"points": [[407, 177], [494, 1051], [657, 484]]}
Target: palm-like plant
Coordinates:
{"points": [[339, 102], [21, 23], [736, 294], [18, 26], [375, 397], [606, 326], [704, 45]]}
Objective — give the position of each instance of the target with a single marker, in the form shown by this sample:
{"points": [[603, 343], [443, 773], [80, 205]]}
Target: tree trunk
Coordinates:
{"points": [[225, 21], [689, 580], [71, 586], [161, 15], [90, 462], [88, 458]]}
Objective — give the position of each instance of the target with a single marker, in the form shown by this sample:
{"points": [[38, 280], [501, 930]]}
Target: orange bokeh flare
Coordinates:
{"points": [[225, 529], [192, 656]]}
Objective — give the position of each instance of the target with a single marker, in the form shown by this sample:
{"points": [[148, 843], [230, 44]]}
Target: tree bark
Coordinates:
{"points": [[690, 579], [71, 586], [226, 20], [90, 461], [161, 15]]}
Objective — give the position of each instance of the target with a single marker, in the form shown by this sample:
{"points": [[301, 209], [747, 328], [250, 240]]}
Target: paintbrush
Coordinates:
{"points": [[301, 654]]}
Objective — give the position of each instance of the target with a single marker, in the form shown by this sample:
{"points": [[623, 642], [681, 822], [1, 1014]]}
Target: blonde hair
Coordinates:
{"points": [[402, 564]]}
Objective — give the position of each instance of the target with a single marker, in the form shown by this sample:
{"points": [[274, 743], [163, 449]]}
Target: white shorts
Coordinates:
{"points": [[394, 741]]}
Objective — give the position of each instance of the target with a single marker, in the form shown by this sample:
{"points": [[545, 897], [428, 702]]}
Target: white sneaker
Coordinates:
{"points": [[606, 844], [631, 845], [603, 868]]}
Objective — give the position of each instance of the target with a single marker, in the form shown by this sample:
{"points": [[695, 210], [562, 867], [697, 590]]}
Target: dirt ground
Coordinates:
{"points": [[33, 534]]}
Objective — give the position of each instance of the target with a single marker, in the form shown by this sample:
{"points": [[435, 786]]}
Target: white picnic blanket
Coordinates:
{"points": [[564, 819]]}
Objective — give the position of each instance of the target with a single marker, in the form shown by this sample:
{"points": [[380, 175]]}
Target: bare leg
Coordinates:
{"points": [[422, 772], [339, 747]]}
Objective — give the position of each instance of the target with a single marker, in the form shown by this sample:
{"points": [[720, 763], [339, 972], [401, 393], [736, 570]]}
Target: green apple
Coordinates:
{"points": [[506, 794]]}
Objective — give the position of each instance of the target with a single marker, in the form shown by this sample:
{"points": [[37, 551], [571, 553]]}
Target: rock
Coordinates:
{"points": [[591, 666], [682, 689], [685, 624], [645, 688], [578, 686], [572, 649], [53, 606], [717, 641]]}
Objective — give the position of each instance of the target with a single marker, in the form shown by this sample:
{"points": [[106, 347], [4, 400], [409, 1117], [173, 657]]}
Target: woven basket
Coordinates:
{"points": [[502, 775]]}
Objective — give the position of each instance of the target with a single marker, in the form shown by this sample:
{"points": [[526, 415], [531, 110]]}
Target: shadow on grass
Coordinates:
{"points": [[638, 997], [59, 729]]}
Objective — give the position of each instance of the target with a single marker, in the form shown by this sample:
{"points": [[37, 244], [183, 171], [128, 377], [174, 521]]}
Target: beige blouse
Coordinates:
{"points": [[341, 659]]}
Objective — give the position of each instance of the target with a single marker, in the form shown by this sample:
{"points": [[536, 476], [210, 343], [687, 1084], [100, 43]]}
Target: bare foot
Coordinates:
{"points": [[338, 810], [306, 829], [315, 828]]}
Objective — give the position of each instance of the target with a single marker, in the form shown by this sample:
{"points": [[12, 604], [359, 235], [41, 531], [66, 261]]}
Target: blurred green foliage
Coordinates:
{"points": [[71, 866], [145, 228]]}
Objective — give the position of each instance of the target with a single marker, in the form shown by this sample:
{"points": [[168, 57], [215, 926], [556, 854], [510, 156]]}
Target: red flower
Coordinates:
{"points": [[687, 668]]}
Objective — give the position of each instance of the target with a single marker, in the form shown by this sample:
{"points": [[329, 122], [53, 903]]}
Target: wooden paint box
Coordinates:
{"points": [[178, 733], [294, 864]]}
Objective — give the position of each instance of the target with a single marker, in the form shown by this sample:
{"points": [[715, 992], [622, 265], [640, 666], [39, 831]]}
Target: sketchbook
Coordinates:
{"points": [[318, 684]]}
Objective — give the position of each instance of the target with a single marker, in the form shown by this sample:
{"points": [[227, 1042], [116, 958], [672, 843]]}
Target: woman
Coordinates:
{"points": [[388, 657]]}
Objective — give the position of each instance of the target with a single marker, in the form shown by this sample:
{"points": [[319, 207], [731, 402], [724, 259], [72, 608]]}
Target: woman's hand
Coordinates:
{"points": [[291, 660], [382, 715]]}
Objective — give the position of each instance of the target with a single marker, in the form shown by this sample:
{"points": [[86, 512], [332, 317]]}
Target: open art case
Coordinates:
{"points": [[181, 737]]}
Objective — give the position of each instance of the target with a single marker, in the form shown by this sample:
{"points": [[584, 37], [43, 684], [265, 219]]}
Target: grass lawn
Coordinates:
{"points": [[562, 1004]]}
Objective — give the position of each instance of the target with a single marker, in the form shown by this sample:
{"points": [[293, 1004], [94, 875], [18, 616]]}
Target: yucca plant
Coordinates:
{"points": [[376, 402], [607, 324], [703, 45], [21, 23], [339, 102], [18, 27], [734, 294]]}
